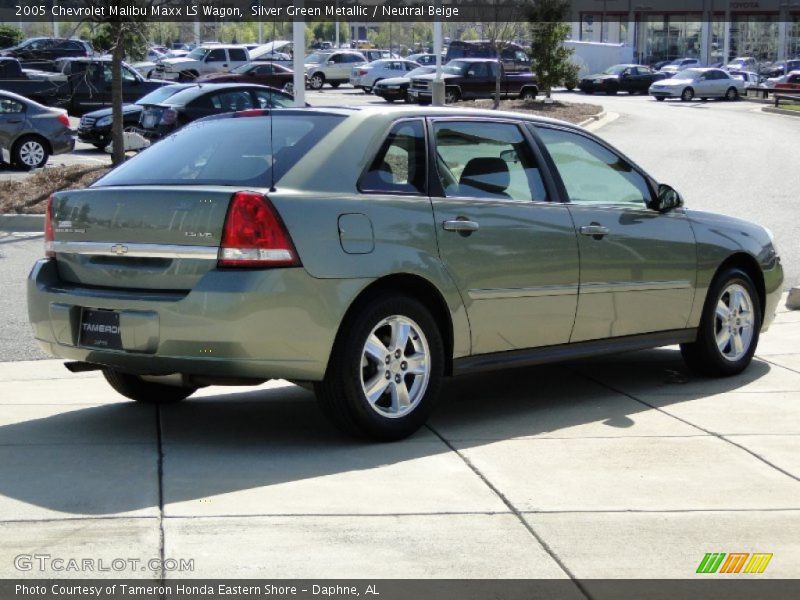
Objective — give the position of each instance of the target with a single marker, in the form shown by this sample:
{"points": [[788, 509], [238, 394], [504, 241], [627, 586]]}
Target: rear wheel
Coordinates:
{"points": [[30, 152], [385, 370], [659, 98], [335, 84], [687, 95], [732, 94], [136, 388], [316, 81], [452, 95], [729, 328]]}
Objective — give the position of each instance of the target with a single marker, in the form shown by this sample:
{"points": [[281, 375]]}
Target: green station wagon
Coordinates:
{"points": [[372, 252]]}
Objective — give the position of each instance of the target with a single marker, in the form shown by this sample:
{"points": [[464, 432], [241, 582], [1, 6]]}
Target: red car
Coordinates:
{"points": [[260, 72], [792, 82]]}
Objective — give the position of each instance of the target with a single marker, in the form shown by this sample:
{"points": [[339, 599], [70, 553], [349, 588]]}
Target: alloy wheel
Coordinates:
{"points": [[734, 322], [395, 366]]}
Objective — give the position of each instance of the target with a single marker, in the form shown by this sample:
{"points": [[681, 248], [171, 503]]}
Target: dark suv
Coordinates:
{"points": [[48, 49]]}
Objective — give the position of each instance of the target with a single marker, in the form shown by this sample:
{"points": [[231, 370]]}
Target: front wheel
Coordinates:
{"points": [[30, 153], [134, 387], [729, 328], [528, 94], [659, 98], [687, 95], [731, 95], [452, 95], [316, 81], [385, 370]]}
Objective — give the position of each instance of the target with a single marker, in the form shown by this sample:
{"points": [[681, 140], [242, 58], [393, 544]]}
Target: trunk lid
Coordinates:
{"points": [[153, 237]]}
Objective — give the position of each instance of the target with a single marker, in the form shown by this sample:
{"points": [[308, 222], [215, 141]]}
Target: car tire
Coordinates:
{"points": [[288, 88], [528, 94], [660, 98], [687, 95], [451, 96], [335, 84], [316, 81], [732, 95], [101, 145], [30, 152], [366, 357], [729, 327], [390, 100], [134, 387]]}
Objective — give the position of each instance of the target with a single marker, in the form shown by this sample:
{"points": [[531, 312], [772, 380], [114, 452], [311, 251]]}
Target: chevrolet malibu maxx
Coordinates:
{"points": [[457, 241]]}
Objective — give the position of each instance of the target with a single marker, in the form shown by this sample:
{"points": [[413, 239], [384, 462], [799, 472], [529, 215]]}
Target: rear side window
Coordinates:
{"points": [[399, 167], [237, 54], [241, 154]]}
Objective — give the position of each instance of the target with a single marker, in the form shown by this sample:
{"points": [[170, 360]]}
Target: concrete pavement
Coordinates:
{"points": [[623, 466]]}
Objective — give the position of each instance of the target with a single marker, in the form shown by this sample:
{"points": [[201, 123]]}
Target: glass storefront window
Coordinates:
{"points": [[667, 37], [793, 37], [608, 28], [754, 35]]}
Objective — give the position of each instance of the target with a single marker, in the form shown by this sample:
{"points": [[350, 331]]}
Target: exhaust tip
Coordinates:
{"points": [[81, 367]]}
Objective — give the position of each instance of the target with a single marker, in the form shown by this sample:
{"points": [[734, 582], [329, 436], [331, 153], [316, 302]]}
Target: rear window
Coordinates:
{"points": [[241, 154]]}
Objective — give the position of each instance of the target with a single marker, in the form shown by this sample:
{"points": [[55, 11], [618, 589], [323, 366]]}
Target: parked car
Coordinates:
{"points": [[396, 88], [208, 58], [95, 126], [701, 83], [679, 64], [373, 54], [48, 49], [201, 100], [621, 78], [779, 69], [423, 58], [751, 80], [147, 68], [366, 76], [85, 85], [333, 68], [279, 51], [742, 63], [792, 82], [31, 132], [282, 256], [472, 78], [262, 73]]}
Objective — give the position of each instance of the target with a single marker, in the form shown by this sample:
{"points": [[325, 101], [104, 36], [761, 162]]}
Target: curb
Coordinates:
{"points": [[781, 111], [592, 119], [793, 300], [22, 223]]}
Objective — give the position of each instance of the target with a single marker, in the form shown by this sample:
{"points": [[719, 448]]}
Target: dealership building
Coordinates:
{"points": [[711, 30]]}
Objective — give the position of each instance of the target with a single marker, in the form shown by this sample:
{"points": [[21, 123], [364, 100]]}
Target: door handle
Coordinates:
{"points": [[461, 225], [594, 230], [15, 120]]}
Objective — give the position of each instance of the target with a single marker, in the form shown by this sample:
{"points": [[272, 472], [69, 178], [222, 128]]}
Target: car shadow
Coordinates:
{"points": [[218, 444]]}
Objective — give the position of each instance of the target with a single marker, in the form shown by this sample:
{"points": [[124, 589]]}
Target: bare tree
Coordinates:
{"points": [[500, 34]]}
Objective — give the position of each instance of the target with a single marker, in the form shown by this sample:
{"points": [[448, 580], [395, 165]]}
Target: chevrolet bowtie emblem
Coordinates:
{"points": [[119, 249]]}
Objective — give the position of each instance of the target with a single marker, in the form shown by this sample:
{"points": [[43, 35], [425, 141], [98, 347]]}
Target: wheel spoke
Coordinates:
{"points": [[376, 349], [737, 301], [737, 345], [723, 339], [723, 314], [400, 333], [376, 386], [417, 364], [400, 399]]}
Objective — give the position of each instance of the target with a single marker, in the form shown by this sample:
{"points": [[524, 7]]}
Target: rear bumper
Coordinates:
{"points": [[277, 323]]}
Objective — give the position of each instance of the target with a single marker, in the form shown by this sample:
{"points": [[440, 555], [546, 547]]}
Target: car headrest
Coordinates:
{"points": [[487, 173]]}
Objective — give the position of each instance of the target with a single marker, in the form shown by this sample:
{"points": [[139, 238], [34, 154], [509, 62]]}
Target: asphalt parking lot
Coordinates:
{"points": [[624, 467]]}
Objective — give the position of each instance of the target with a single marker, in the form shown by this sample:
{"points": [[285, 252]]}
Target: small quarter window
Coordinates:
{"points": [[399, 167]]}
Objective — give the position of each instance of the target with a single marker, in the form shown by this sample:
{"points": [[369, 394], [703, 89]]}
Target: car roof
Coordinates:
{"points": [[199, 89]]}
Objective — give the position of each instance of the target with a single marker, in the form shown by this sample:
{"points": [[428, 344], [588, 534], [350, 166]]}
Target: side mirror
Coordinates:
{"points": [[668, 199]]}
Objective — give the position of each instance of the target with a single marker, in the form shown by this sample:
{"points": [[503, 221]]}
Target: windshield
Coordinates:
{"points": [[198, 53], [456, 67], [160, 94], [616, 70], [317, 57], [421, 71], [238, 158], [689, 74]]}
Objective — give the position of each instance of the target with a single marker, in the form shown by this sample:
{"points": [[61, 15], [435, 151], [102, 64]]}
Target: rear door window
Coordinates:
{"points": [[237, 54], [399, 167]]}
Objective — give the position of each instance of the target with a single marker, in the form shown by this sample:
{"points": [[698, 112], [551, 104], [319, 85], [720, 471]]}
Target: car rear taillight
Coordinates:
{"points": [[169, 116], [254, 235], [63, 119], [49, 238], [252, 112]]}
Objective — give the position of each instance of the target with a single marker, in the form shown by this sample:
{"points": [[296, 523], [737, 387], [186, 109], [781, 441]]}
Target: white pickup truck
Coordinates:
{"points": [[208, 58]]}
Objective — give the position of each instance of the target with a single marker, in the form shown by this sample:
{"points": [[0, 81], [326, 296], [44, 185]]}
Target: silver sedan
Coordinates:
{"points": [[698, 83], [366, 76]]}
